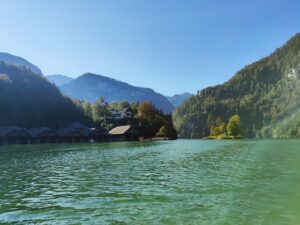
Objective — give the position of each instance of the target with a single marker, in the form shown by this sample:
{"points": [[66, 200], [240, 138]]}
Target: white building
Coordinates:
{"points": [[119, 114]]}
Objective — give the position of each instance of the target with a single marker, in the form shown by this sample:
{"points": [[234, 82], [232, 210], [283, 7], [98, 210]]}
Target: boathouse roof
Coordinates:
{"points": [[88, 131], [119, 130], [34, 132], [6, 130], [68, 132]]}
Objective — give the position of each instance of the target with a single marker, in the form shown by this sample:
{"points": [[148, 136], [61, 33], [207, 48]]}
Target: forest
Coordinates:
{"points": [[221, 130], [28, 100], [264, 94], [147, 119]]}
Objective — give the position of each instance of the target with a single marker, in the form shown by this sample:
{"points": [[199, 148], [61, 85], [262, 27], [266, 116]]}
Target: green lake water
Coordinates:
{"points": [[173, 182]]}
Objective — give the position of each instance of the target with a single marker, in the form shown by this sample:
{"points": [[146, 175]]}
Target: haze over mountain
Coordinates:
{"points": [[266, 95], [18, 61], [90, 87], [82, 88], [59, 79], [177, 99]]}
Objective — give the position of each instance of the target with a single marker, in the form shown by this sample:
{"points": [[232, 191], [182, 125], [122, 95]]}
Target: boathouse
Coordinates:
{"points": [[92, 134], [43, 135], [13, 135], [123, 133], [70, 135]]}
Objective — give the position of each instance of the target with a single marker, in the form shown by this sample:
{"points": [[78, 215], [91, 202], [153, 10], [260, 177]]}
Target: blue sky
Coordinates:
{"points": [[170, 46]]}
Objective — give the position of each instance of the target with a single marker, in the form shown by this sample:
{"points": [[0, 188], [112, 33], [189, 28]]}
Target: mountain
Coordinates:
{"points": [[177, 99], [265, 94], [59, 79], [29, 100], [18, 61], [90, 87]]}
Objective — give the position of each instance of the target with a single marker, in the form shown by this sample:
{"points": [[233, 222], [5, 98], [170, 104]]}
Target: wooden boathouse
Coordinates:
{"points": [[13, 135]]}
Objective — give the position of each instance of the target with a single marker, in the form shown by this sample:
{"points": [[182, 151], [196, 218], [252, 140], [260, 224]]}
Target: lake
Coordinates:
{"points": [[168, 182]]}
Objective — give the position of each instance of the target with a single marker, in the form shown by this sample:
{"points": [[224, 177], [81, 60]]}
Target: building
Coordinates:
{"points": [[88, 134], [13, 135], [92, 134], [43, 135], [70, 135], [123, 133], [119, 114]]}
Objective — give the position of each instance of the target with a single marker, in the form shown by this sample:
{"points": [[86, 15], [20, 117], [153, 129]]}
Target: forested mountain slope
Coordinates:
{"points": [[264, 94], [29, 100]]}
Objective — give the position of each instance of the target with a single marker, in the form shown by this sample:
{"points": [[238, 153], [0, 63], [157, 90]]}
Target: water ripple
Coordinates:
{"points": [[180, 182]]}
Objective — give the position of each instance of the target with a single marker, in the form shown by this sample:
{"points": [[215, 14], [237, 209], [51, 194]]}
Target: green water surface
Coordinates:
{"points": [[172, 182]]}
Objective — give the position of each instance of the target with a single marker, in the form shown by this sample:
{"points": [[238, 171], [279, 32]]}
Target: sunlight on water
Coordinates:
{"points": [[180, 182]]}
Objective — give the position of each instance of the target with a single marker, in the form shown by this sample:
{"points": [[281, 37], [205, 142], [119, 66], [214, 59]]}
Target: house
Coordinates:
{"points": [[13, 135], [42, 135], [92, 134], [123, 133], [70, 135], [88, 134], [119, 114]]}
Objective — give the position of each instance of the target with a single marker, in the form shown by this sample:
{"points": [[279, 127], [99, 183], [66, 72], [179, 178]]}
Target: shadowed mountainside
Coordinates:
{"points": [[29, 100]]}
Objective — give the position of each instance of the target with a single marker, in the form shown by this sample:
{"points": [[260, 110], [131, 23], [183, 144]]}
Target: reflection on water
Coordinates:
{"points": [[179, 182]]}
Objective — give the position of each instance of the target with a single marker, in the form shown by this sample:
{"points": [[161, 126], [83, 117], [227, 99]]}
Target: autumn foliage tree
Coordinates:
{"points": [[219, 129], [234, 126], [151, 120]]}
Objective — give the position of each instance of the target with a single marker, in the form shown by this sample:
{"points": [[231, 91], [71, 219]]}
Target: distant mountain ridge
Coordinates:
{"points": [[59, 79], [18, 61], [177, 99], [90, 87]]}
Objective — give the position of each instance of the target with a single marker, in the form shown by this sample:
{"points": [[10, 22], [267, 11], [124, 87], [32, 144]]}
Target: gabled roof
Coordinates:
{"points": [[65, 131], [88, 131], [77, 125], [34, 132], [6, 130], [119, 130]]}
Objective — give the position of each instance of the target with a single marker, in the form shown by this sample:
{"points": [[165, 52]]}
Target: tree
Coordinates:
{"points": [[124, 104], [209, 120], [223, 128], [234, 126], [151, 120], [167, 131], [146, 110], [114, 105], [219, 121], [87, 108], [101, 113], [214, 131], [162, 132]]}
